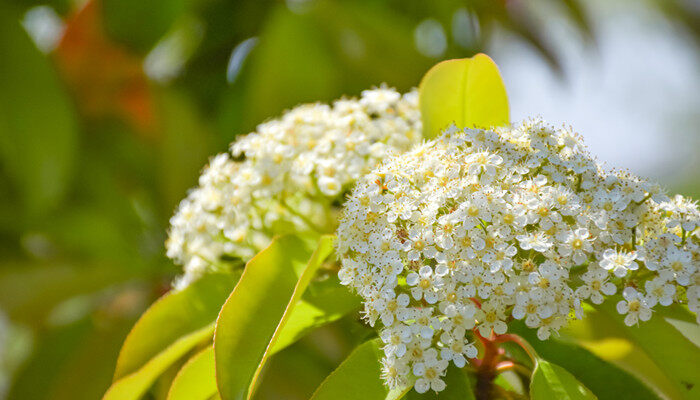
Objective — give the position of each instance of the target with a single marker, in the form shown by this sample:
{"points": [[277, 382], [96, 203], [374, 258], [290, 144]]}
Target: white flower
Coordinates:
{"points": [[538, 241], [425, 284], [680, 264], [596, 285], [659, 291], [491, 317], [576, 243], [395, 371], [429, 372], [619, 262], [457, 349], [395, 339], [483, 161], [635, 306]]}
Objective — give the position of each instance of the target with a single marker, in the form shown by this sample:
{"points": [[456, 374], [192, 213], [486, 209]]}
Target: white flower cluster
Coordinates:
{"points": [[289, 175], [476, 228]]}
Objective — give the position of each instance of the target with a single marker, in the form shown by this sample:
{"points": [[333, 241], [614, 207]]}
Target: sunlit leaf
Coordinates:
{"points": [[197, 379], [255, 313], [134, 385], [675, 355], [359, 377], [38, 131], [468, 92], [322, 304], [550, 381], [174, 316], [607, 381]]}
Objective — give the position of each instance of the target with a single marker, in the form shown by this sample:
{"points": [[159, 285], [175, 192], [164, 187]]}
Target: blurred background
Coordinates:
{"points": [[109, 109]]}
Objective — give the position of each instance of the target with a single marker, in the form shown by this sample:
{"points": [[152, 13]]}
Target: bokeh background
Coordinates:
{"points": [[109, 109]]}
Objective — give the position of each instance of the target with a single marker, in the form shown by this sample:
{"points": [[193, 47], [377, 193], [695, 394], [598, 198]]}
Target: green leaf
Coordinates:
{"points": [[675, 355], [175, 315], [323, 303], [309, 72], [38, 130], [359, 377], [28, 293], [89, 368], [134, 385], [197, 379], [550, 381], [185, 139], [607, 381], [468, 92], [257, 310], [141, 23]]}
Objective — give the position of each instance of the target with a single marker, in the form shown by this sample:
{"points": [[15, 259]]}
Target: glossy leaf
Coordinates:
{"points": [[359, 377], [606, 380], [468, 92], [175, 315], [550, 381], [667, 347], [255, 313], [322, 304], [134, 385], [197, 379], [38, 131]]}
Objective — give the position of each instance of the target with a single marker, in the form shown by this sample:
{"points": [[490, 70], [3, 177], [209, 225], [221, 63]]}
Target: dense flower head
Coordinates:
{"points": [[289, 175], [479, 227]]}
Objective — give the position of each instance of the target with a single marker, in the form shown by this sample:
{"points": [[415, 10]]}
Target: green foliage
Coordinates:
{"points": [[672, 352], [141, 23], [272, 284], [196, 380], [176, 315], [86, 200], [550, 381], [467, 92], [656, 352], [359, 377], [38, 130], [607, 381], [172, 327], [134, 385]]}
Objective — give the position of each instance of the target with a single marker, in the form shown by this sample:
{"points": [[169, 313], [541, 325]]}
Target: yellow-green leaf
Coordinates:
{"points": [[468, 92], [328, 302], [38, 129], [603, 378], [672, 352], [550, 381], [134, 385], [196, 379], [255, 313], [359, 378], [175, 315]]}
